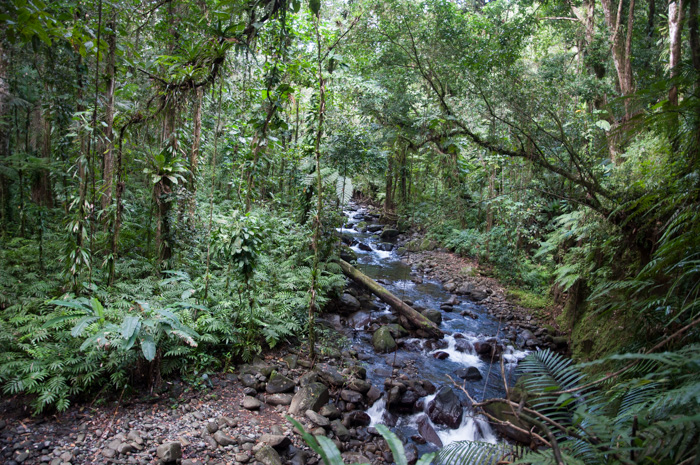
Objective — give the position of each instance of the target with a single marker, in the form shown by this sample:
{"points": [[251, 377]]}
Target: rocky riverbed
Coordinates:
{"points": [[380, 375]]}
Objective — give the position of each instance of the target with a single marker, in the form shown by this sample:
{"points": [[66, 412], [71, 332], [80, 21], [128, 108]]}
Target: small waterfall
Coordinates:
{"points": [[376, 412]]}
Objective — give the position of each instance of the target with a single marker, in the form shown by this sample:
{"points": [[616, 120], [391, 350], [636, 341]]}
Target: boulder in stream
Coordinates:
{"points": [[383, 341], [310, 397], [446, 409], [427, 431]]}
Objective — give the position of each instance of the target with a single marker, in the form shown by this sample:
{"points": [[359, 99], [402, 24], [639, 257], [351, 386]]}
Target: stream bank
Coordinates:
{"points": [[240, 418]]}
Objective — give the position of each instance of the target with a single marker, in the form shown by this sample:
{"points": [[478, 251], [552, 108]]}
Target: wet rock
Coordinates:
{"points": [[385, 246], [470, 314], [365, 247], [359, 385], [349, 303], [397, 330], [440, 355], [351, 396], [411, 453], [504, 414], [374, 228], [383, 341], [389, 233], [279, 384], [446, 408], [356, 418], [427, 431], [462, 345], [347, 254], [291, 361], [309, 397], [469, 374], [169, 452], [354, 457], [268, 456], [433, 315], [446, 307]]}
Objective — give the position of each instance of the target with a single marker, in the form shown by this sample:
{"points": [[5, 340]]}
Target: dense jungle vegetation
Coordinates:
{"points": [[172, 173]]}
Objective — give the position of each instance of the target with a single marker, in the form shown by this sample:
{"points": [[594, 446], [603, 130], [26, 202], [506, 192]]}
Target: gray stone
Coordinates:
{"points": [[340, 430], [351, 396], [317, 418], [124, 448], [67, 456], [330, 411], [279, 384], [427, 431], [433, 315], [359, 385], [446, 408], [250, 403], [469, 374], [389, 233], [383, 341], [268, 456], [224, 439], [279, 399], [291, 361], [309, 397], [356, 418], [135, 438], [349, 303], [330, 375], [278, 442], [212, 427], [242, 458], [169, 452]]}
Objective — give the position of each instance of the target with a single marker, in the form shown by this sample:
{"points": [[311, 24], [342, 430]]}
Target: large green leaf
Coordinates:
{"points": [[130, 325], [148, 347]]}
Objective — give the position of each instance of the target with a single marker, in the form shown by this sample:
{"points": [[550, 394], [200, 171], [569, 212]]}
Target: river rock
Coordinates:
{"points": [[389, 233], [317, 418], [446, 409], [464, 289], [374, 228], [359, 385], [477, 295], [279, 399], [250, 403], [382, 340], [330, 411], [427, 431], [279, 442], [340, 430], [330, 375], [268, 456], [223, 439], [365, 247], [462, 345], [469, 374], [348, 303], [385, 246], [309, 397], [356, 418], [433, 315], [347, 254], [169, 452], [279, 384], [441, 355], [373, 395], [351, 396]]}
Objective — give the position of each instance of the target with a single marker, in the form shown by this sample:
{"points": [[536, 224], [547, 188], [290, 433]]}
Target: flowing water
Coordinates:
{"points": [[392, 273]]}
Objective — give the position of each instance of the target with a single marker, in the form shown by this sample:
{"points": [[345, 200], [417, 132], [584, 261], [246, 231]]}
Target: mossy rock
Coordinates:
{"points": [[413, 246], [427, 245], [383, 341]]}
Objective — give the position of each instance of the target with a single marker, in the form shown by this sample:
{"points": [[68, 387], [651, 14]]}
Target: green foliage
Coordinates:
{"points": [[331, 455], [646, 416]]}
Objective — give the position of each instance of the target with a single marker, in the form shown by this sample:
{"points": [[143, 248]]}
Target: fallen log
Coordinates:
{"points": [[387, 297]]}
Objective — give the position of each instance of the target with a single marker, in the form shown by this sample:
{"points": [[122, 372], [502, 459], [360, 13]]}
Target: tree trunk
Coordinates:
{"points": [[4, 139], [387, 297], [621, 46], [675, 27], [194, 154], [108, 160], [40, 144], [388, 198]]}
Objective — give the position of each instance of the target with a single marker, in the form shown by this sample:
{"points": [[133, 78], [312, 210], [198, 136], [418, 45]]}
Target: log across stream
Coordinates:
{"points": [[446, 352]]}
